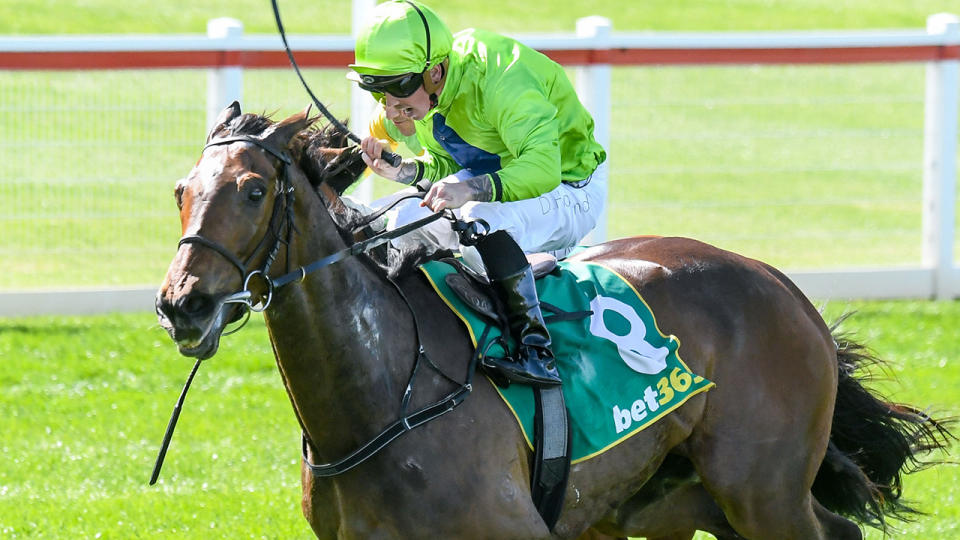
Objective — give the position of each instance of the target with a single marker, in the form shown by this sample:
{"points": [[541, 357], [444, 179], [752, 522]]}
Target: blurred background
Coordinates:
{"points": [[804, 165]]}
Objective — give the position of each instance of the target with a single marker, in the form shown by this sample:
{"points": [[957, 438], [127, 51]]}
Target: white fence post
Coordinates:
{"points": [[940, 160], [224, 84], [362, 104], [593, 87]]}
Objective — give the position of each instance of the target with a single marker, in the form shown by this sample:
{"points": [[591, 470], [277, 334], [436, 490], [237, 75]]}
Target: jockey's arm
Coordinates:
{"points": [[529, 129]]}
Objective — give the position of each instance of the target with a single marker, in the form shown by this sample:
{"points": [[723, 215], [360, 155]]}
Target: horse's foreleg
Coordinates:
{"points": [[319, 505]]}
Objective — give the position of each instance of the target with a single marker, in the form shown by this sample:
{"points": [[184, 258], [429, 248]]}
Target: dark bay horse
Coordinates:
{"points": [[788, 445]]}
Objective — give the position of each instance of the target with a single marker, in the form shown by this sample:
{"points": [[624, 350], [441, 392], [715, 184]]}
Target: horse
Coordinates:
{"points": [[788, 445]]}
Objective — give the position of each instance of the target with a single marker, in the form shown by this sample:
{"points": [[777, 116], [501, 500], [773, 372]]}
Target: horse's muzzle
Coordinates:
{"points": [[194, 321]]}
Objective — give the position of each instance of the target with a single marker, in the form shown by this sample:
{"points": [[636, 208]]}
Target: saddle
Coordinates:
{"points": [[474, 288]]}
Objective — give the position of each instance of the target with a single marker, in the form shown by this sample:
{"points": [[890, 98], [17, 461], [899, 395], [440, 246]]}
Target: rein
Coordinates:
{"points": [[245, 296], [407, 422], [392, 158]]}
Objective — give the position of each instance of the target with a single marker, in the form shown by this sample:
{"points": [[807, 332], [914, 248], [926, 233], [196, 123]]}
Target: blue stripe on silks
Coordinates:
{"points": [[476, 160]]}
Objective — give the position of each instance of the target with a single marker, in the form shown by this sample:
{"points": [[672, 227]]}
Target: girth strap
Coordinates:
{"points": [[551, 465], [387, 436], [407, 421]]}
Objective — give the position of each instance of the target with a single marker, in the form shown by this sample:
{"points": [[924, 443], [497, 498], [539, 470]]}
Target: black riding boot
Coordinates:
{"points": [[508, 269]]}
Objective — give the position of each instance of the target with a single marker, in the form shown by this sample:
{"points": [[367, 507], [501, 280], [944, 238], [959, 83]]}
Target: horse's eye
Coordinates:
{"points": [[256, 194]]}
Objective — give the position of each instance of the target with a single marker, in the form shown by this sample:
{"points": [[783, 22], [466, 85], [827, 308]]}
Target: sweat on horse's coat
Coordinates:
{"points": [[787, 441]]}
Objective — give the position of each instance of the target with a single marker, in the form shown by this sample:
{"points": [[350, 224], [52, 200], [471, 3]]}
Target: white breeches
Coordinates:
{"points": [[553, 222]]}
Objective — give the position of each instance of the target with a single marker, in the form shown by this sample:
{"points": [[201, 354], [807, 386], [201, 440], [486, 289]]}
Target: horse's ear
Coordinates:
{"points": [[279, 134], [226, 115]]}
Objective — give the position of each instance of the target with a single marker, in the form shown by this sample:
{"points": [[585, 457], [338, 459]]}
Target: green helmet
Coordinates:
{"points": [[395, 40]]}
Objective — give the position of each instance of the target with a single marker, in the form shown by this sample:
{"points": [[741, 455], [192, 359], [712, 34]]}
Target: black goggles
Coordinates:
{"points": [[400, 86]]}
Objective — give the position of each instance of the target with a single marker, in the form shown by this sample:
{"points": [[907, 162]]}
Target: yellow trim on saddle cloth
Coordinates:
{"points": [[677, 353]]}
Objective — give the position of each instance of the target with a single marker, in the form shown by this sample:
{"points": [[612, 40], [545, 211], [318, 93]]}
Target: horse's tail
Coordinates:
{"points": [[873, 443]]}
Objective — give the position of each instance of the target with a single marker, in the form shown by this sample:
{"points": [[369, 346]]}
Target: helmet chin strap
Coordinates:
{"points": [[428, 84], [431, 87]]}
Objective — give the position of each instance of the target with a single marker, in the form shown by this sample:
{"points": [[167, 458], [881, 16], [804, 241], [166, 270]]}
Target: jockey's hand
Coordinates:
{"points": [[372, 148], [451, 192]]}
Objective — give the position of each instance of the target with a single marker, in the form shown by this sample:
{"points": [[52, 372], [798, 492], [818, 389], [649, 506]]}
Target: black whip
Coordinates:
{"points": [[171, 425], [390, 157]]}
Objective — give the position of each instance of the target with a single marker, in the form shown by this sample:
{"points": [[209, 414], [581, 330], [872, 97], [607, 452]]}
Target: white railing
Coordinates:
{"points": [[226, 51]]}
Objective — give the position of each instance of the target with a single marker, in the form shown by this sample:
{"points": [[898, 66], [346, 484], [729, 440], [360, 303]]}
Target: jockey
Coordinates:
{"points": [[506, 142]]}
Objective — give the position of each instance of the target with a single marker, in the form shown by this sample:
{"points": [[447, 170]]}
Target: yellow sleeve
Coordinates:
{"points": [[378, 129]]}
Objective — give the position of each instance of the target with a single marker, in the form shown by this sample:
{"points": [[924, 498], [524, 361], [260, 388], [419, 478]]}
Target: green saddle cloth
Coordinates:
{"points": [[620, 373]]}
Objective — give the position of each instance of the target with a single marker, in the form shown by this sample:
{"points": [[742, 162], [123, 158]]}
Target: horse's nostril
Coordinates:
{"points": [[195, 304], [163, 307]]}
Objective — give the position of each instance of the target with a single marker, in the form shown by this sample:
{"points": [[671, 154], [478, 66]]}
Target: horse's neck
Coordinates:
{"points": [[343, 339]]}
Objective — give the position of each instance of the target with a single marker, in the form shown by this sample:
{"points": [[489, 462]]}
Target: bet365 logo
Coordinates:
{"points": [[668, 387], [618, 322]]}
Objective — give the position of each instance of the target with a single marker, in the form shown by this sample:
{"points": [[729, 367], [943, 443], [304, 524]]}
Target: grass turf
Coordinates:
{"points": [[333, 16], [86, 400]]}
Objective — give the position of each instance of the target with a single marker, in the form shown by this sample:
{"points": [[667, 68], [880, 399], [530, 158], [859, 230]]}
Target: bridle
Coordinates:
{"points": [[284, 211], [286, 195]]}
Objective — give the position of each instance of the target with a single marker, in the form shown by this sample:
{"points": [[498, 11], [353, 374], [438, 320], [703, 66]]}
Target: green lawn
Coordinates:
{"points": [[86, 400], [333, 16]]}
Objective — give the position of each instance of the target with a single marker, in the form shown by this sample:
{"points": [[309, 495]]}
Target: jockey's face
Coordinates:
{"points": [[404, 123], [416, 105]]}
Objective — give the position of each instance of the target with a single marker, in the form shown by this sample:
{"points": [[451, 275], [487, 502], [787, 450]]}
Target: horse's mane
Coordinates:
{"points": [[245, 124], [315, 151], [322, 153]]}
